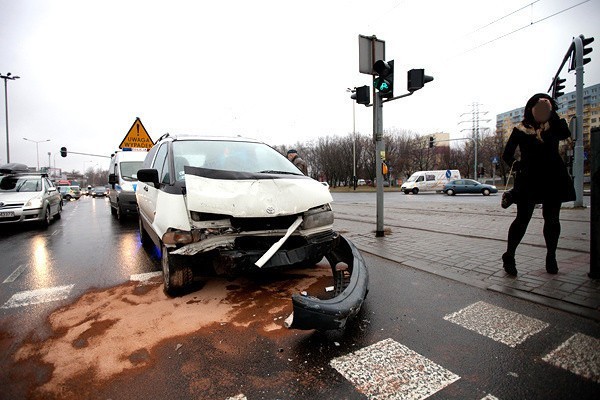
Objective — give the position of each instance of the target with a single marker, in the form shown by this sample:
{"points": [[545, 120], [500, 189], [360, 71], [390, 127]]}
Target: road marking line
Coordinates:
{"points": [[579, 355], [38, 296], [12, 277], [390, 370], [55, 232], [496, 323], [144, 277]]}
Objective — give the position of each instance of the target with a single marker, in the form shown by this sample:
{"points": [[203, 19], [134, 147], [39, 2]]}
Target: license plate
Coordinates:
{"points": [[6, 214]]}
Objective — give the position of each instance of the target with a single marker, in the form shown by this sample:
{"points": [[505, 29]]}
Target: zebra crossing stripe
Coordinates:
{"points": [[390, 370], [144, 277], [38, 296], [578, 355], [496, 323]]}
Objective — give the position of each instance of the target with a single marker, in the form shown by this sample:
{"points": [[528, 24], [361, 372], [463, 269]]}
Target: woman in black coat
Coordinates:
{"points": [[541, 176]]}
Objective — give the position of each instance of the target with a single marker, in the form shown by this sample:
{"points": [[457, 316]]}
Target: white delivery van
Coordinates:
{"points": [[122, 179], [429, 181]]}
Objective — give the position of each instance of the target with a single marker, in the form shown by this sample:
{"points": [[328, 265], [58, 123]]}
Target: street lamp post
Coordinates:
{"points": [[37, 142], [12, 78]]}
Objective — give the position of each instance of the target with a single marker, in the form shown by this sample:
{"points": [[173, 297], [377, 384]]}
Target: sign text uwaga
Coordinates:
{"points": [[137, 137]]}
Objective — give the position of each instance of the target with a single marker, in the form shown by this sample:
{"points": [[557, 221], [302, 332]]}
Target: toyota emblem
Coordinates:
{"points": [[270, 210]]}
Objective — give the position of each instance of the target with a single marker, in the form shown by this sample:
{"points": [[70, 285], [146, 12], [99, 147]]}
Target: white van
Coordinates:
{"points": [[122, 179], [429, 181]]}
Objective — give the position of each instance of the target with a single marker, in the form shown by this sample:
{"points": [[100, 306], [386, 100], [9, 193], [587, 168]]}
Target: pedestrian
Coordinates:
{"points": [[541, 176], [293, 156]]}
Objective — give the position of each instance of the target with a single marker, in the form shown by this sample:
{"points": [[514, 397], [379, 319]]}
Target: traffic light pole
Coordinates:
{"points": [[379, 150], [578, 151]]}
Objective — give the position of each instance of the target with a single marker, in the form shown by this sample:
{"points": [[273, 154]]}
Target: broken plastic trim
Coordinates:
{"points": [[313, 313]]}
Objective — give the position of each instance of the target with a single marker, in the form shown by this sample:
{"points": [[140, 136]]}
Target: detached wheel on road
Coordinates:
{"points": [[486, 192], [450, 192], [415, 190], [176, 278]]}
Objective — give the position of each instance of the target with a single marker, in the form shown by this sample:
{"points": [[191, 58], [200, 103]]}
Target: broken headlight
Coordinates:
{"points": [[318, 216]]}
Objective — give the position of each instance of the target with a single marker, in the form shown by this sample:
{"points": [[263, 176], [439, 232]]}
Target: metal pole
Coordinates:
{"points": [[37, 153], [354, 145], [379, 148], [578, 153], [6, 114], [595, 205]]}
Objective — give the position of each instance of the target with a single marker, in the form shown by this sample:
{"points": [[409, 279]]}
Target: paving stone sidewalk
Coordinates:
{"points": [[467, 246]]}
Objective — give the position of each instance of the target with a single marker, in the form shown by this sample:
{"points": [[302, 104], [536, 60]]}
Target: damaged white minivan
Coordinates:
{"points": [[228, 205]]}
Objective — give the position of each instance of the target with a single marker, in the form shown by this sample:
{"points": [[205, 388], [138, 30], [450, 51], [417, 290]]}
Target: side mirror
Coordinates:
{"points": [[148, 175], [112, 179]]}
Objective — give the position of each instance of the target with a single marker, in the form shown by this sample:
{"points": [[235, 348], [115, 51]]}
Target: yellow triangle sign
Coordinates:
{"points": [[137, 137]]}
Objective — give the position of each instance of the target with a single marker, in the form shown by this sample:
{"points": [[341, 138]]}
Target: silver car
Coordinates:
{"points": [[27, 197]]}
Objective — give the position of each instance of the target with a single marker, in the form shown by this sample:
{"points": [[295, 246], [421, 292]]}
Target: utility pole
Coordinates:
{"points": [[6, 78], [475, 129]]}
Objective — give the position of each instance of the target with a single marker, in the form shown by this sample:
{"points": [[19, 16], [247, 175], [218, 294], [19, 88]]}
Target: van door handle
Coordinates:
{"points": [[146, 188]]}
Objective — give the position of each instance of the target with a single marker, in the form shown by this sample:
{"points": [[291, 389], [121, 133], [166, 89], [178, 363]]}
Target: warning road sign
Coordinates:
{"points": [[137, 137]]}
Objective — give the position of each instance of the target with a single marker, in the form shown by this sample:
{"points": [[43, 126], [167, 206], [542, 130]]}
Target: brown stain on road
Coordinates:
{"points": [[115, 332]]}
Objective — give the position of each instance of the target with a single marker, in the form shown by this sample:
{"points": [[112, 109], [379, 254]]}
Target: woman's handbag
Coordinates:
{"points": [[509, 196]]}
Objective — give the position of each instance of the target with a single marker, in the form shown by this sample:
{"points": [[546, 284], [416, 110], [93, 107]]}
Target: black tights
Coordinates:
{"points": [[550, 212]]}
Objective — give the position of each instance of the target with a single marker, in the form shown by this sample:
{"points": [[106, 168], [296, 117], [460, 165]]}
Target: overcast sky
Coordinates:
{"points": [[276, 71]]}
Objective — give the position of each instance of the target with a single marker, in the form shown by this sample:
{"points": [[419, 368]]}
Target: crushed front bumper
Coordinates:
{"points": [[351, 280]]}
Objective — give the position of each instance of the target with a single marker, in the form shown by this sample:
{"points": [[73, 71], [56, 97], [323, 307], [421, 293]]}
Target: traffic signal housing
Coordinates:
{"points": [[431, 141], [384, 83], [63, 151], [557, 87], [362, 95], [585, 41], [416, 79]]}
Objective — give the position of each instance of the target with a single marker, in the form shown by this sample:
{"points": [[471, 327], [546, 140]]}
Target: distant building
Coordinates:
{"points": [[566, 109]]}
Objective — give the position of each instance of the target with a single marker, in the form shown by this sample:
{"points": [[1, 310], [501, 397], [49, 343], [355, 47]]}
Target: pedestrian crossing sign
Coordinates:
{"points": [[137, 137]]}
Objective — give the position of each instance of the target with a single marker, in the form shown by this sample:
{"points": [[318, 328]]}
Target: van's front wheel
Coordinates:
{"points": [[415, 190], [176, 278]]}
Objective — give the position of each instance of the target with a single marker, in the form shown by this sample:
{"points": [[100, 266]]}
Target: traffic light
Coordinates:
{"points": [[431, 141], [384, 82], [417, 79], [585, 42], [63, 151], [362, 95], [384, 168], [557, 87]]}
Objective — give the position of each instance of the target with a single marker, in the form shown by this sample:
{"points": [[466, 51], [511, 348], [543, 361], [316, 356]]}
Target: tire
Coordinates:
{"points": [[119, 213], [57, 216], [144, 237], [45, 223], [176, 278], [450, 192], [68, 197], [113, 210], [415, 190], [406, 191], [485, 192]]}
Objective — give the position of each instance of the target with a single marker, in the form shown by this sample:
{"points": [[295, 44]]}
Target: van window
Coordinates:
{"points": [[161, 164], [420, 178], [431, 177], [129, 169]]}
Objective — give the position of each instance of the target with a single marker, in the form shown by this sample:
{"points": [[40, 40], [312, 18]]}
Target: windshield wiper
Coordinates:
{"points": [[271, 171]]}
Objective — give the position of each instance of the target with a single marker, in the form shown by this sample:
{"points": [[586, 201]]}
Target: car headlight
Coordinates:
{"points": [[35, 202], [318, 216]]}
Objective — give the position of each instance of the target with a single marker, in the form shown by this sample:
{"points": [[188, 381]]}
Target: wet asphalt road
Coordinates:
{"points": [[249, 354]]}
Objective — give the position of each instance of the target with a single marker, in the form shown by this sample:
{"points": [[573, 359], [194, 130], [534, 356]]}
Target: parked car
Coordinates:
{"points": [[99, 191], [361, 182], [27, 197], [231, 205], [459, 186]]}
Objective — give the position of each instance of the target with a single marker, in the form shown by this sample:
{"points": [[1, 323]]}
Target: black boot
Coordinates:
{"points": [[551, 264], [510, 266]]}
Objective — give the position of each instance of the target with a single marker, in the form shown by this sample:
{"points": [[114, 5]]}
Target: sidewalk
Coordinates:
{"points": [[467, 244]]}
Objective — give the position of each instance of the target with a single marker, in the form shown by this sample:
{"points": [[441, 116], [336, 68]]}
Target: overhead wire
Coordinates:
{"points": [[526, 26]]}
